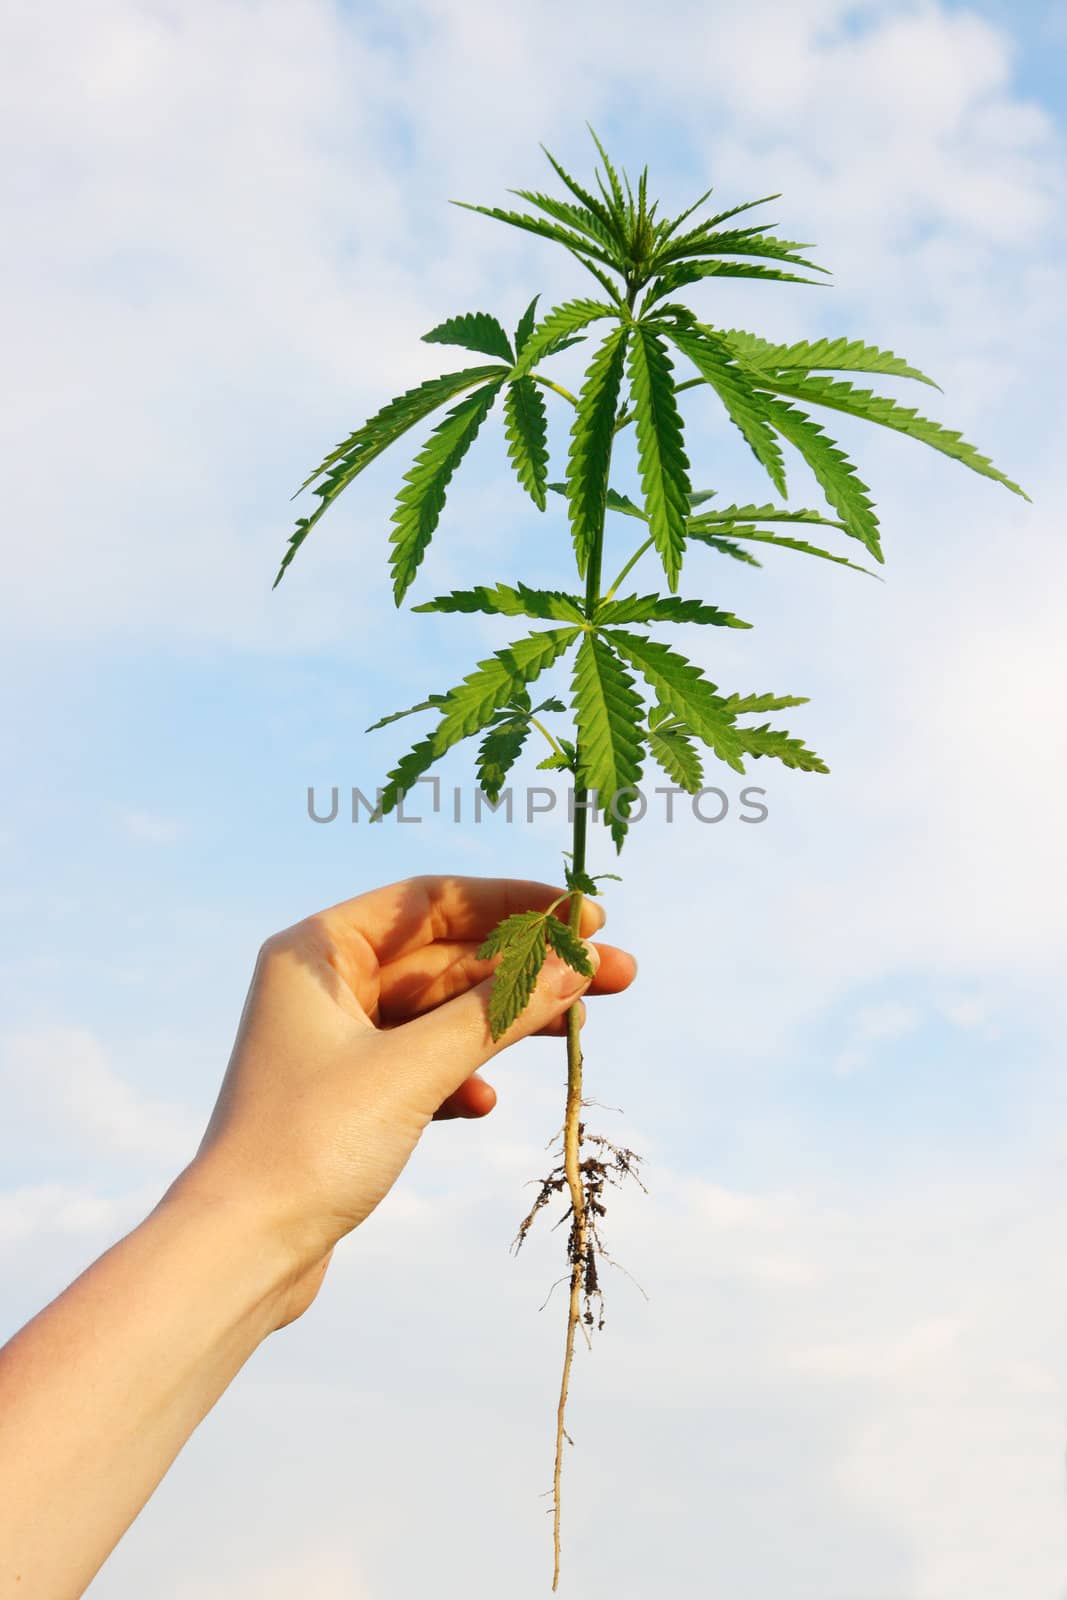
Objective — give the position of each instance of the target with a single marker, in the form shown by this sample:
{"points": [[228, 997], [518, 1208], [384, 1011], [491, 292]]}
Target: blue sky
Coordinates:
{"points": [[843, 1058]]}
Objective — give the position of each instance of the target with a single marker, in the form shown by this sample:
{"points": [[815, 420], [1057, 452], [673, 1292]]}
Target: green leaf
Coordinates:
{"points": [[560, 323], [580, 882], [843, 396], [834, 472], [613, 500], [471, 705], [498, 753], [763, 514], [780, 540], [678, 757], [504, 601], [767, 741], [474, 330], [350, 457], [579, 218], [592, 432], [662, 608], [527, 435], [662, 461], [521, 944], [713, 222], [421, 500], [736, 242], [608, 712], [677, 277], [743, 406], [489, 686], [432, 703], [614, 202], [683, 689], [828, 355], [603, 213], [576, 243], [525, 325], [726, 547], [736, 704], [567, 944]]}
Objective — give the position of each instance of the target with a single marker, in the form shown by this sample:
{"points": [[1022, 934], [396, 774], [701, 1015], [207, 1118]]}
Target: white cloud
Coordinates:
{"points": [[63, 1078], [37, 1210]]}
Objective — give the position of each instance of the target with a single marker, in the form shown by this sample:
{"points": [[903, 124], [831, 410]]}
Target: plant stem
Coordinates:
{"points": [[634, 559], [578, 1243]]}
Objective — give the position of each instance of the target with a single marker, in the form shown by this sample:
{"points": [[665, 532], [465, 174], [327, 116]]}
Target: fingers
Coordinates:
{"points": [[443, 1047], [426, 978], [473, 1098], [404, 917]]}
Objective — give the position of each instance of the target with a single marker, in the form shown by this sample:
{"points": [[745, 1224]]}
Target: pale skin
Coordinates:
{"points": [[362, 1025]]}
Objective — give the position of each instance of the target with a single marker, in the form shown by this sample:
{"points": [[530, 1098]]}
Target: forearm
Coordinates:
{"points": [[101, 1390]]}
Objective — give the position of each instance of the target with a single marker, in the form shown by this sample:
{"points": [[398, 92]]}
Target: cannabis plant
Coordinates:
{"points": [[634, 696]]}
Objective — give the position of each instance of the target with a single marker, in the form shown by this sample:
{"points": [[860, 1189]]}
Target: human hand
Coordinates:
{"points": [[363, 1023]]}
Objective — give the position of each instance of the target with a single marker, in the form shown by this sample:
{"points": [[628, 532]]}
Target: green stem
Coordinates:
{"points": [[552, 741], [634, 559], [546, 383], [578, 1240]]}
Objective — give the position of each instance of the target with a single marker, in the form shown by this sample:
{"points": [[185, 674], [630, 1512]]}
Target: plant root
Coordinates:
{"points": [[586, 1178]]}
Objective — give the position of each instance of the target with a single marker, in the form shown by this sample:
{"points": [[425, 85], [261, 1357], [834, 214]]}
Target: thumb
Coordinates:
{"points": [[443, 1047]]}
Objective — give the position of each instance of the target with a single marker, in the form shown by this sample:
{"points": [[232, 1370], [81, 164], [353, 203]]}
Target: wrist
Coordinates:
{"points": [[243, 1243]]}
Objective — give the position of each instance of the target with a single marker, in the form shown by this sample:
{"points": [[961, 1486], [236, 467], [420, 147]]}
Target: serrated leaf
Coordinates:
{"points": [[827, 355], [421, 500], [559, 323], [662, 461], [613, 500], [474, 330], [567, 945], [766, 513], [608, 711], [353, 454], [743, 406], [520, 942], [487, 688], [577, 243], [614, 202], [767, 741], [526, 430], [677, 277], [780, 540], [722, 216], [432, 703], [471, 705], [683, 689], [503, 600], [726, 547], [611, 223], [525, 325], [840, 395], [664, 608], [678, 757], [498, 753], [834, 472], [580, 882], [577, 217], [735, 242], [592, 432], [736, 704]]}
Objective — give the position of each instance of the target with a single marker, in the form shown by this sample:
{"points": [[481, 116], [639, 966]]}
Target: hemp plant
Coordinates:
{"points": [[633, 695]]}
